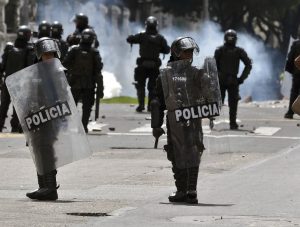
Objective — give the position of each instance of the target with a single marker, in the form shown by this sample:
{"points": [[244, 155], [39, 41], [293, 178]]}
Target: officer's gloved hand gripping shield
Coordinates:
{"points": [[48, 115]]}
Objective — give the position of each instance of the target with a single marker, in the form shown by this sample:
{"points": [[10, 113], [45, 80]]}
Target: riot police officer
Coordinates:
{"points": [[43, 140], [82, 22], [15, 57], [228, 59], [151, 45], [56, 33], [180, 87], [84, 66], [44, 29], [292, 69]]}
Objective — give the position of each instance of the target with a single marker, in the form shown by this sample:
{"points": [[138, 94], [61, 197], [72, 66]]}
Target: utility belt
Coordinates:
{"points": [[148, 63]]}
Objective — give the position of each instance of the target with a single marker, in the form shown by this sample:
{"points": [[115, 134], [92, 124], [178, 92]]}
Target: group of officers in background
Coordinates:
{"points": [[79, 54], [179, 86]]}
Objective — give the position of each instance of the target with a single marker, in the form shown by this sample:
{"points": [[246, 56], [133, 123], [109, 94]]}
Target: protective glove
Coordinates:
{"points": [[240, 81], [157, 132]]}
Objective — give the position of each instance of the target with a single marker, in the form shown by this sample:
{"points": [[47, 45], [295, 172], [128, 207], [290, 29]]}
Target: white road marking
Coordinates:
{"points": [[266, 131], [206, 129], [128, 134], [145, 128], [94, 126], [11, 135], [220, 121]]}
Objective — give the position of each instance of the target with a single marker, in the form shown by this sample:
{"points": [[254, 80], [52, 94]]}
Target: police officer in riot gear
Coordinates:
{"points": [[151, 45], [15, 57], [45, 49], [228, 59], [44, 29], [82, 22], [84, 66], [56, 33], [290, 67], [181, 85]]}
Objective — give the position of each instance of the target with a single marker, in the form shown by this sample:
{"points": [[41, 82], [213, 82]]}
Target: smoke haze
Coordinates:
{"points": [[112, 26]]}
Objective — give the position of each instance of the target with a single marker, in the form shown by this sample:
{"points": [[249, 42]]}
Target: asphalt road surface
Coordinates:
{"points": [[248, 177]]}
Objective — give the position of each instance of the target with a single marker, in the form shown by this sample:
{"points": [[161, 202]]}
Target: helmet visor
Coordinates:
{"points": [[186, 43], [46, 46]]}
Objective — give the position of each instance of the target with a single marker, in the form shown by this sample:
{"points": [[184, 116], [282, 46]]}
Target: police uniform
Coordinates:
{"points": [[228, 59], [151, 45], [180, 89], [81, 21], [14, 58], [292, 69], [84, 66], [56, 33]]}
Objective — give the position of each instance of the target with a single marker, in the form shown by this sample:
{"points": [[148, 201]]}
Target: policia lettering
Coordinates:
{"points": [[58, 110], [199, 111]]}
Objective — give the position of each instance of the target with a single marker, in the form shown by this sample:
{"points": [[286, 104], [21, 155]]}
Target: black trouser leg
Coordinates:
{"points": [[192, 184], [223, 92], [295, 91], [233, 97], [14, 122], [140, 79], [88, 99], [151, 86], [192, 178], [5, 101], [141, 98], [180, 176]]}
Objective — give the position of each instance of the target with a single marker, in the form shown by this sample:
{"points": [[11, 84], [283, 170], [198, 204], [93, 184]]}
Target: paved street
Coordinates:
{"points": [[248, 177]]}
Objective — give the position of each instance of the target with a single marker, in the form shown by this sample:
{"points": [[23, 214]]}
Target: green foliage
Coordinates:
{"points": [[121, 99]]}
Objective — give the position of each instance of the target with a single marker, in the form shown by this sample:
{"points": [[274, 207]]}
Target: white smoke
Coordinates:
{"points": [[119, 59], [263, 81]]}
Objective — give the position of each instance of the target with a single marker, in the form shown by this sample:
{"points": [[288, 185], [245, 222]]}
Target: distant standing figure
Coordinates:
{"points": [[84, 66], [228, 59], [81, 22], [56, 33], [151, 45]]}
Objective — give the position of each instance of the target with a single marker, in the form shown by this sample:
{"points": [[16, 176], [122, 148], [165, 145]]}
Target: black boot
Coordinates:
{"points": [[49, 191], [180, 177], [191, 196], [289, 115], [32, 195]]}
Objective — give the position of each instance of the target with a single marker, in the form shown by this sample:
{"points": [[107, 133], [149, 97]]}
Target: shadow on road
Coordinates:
{"points": [[199, 204]]}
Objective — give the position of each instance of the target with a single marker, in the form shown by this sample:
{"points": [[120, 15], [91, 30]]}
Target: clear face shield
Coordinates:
{"points": [[46, 46], [186, 43]]}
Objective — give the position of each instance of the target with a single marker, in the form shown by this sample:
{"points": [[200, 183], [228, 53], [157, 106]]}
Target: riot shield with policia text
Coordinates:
{"points": [[190, 94], [48, 115]]}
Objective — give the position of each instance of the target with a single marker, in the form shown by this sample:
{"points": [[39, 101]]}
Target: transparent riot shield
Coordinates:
{"points": [[191, 94], [47, 112], [210, 81]]}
